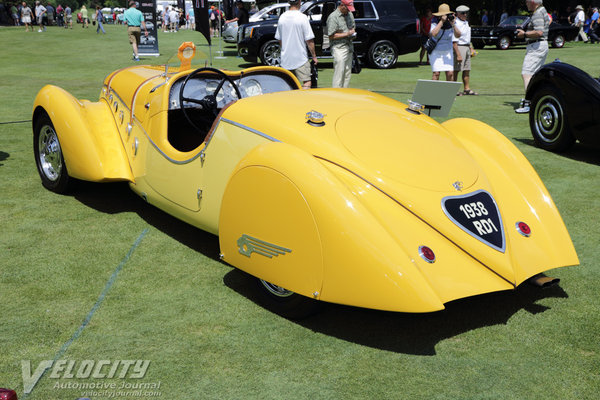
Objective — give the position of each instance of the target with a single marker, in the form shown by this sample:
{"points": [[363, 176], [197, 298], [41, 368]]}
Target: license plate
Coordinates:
{"points": [[477, 214]]}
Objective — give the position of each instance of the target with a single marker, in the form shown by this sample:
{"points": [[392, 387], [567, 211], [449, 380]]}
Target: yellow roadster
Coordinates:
{"points": [[336, 195]]}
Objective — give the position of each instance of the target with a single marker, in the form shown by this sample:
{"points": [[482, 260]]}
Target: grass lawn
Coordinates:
{"points": [[195, 318]]}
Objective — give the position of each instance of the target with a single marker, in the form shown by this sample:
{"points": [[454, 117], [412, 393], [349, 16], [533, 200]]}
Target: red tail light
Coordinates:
{"points": [[523, 229], [427, 254], [418, 25]]}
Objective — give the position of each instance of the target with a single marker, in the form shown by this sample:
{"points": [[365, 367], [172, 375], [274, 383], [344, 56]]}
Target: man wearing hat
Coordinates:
{"points": [[135, 22], [463, 49], [295, 35], [536, 34], [580, 22], [340, 29]]}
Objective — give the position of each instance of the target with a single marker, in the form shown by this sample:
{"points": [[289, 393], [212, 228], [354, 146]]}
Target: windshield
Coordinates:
{"points": [[262, 14], [514, 20]]}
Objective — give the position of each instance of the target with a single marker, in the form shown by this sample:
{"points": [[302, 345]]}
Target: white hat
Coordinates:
{"points": [[462, 9], [579, 8]]}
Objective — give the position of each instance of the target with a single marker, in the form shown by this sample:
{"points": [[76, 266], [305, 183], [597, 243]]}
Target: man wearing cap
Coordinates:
{"points": [[580, 22], [463, 49], [242, 16], [536, 34], [341, 30], [135, 21], [295, 34]]}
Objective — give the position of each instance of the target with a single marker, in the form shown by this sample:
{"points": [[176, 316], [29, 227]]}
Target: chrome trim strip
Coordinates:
{"points": [[259, 133]]}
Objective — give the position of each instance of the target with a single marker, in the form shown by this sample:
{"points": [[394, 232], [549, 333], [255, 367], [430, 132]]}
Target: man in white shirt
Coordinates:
{"points": [[40, 10], [462, 49], [579, 22], [295, 34]]}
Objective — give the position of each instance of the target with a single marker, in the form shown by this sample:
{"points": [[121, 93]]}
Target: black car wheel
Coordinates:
{"points": [[503, 43], [284, 302], [48, 156], [383, 54], [548, 120], [270, 53], [558, 41]]}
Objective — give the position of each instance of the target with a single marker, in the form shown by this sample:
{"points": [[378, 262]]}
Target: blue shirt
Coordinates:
{"points": [[133, 16]]}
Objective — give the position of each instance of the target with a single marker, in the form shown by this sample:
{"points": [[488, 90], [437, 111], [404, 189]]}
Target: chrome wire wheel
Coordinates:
{"points": [[276, 290], [504, 43], [50, 153], [271, 53], [559, 41], [549, 119]]}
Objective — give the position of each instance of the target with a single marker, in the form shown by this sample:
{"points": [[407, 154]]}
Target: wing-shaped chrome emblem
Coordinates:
{"points": [[248, 245]]}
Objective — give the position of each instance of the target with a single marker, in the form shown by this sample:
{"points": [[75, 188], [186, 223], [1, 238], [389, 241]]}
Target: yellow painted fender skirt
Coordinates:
{"points": [[90, 141]]}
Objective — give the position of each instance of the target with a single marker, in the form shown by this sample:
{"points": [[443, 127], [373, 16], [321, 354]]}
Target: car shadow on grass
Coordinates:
{"points": [[114, 198], [3, 156], [415, 334], [578, 152]]}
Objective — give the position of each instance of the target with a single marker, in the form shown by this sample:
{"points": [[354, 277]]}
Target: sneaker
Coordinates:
{"points": [[524, 107], [136, 59], [39, 30]]}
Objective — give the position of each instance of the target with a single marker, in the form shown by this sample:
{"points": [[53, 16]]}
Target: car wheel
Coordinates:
{"points": [[558, 41], [383, 54], [270, 53], [478, 44], [503, 43], [284, 302], [548, 120], [48, 156]]}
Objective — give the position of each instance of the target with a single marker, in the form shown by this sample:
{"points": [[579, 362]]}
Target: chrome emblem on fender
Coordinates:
{"points": [[248, 245], [458, 185]]}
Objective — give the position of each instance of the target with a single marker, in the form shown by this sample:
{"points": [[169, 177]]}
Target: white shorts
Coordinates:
{"points": [[535, 57], [441, 61]]}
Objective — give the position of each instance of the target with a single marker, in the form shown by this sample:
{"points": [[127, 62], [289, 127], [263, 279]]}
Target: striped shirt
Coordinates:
{"points": [[540, 22]]}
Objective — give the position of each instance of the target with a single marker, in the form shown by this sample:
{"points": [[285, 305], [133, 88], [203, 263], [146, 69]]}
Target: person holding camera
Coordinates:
{"points": [[443, 29]]}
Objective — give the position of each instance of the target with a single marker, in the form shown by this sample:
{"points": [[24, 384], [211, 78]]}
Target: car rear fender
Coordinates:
{"points": [[286, 218], [90, 142], [521, 196]]}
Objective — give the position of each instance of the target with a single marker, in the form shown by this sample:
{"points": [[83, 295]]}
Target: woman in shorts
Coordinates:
{"points": [[26, 16], [443, 29]]}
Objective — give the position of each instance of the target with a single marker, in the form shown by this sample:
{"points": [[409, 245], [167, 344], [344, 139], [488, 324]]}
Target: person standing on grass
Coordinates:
{"points": [[68, 18], [14, 13], [26, 16], [341, 30], [99, 18], [50, 13], [135, 23], [295, 34], [40, 10], [84, 17], [536, 33], [463, 50], [443, 29]]}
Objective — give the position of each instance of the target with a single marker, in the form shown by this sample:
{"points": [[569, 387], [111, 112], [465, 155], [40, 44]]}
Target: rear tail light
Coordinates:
{"points": [[427, 254], [523, 229], [418, 25]]}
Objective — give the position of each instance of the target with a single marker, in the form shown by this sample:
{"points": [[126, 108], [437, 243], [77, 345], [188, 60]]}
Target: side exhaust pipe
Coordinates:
{"points": [[543, 281]]}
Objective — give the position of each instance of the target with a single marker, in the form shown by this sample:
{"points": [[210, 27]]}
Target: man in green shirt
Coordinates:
{"points": [[135, 21], [340, 29]]}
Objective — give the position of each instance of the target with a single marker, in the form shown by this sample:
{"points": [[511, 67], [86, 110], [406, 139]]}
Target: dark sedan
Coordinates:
{"points": [[504, 35]]}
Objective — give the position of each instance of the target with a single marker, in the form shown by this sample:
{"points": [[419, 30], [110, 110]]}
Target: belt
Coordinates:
{"points": [[536, 40], [134, 26], [468, 45]]}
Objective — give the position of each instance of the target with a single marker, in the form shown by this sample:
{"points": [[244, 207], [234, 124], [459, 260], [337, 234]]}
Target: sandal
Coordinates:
{"points": [[460, 93], [470, 93]]}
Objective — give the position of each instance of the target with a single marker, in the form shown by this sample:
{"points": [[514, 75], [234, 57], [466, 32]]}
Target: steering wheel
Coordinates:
{"points": [[209, 102]]}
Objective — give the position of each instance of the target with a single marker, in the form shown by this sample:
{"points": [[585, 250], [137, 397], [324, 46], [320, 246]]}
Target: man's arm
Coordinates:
{"points": [[311, 47]]}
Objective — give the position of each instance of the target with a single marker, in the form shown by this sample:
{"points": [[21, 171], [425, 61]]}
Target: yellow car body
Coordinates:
{"points": [[341, 210]]}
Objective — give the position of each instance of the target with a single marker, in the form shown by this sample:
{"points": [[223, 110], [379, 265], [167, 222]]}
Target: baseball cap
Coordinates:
{"points": [[349, 4]]}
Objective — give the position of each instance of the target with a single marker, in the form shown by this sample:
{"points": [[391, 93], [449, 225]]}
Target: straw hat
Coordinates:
{"points": [[443, 9], [579, 8]]}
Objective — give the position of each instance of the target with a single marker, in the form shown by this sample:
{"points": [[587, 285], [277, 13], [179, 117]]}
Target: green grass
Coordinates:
{"points": [[175, 304]]}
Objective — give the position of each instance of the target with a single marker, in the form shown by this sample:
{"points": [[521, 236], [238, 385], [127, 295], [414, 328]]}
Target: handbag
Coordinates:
{"points": [[356, 67], [432, 42]]}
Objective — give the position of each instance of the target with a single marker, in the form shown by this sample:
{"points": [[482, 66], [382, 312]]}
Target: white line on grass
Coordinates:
{"points": [[90, 314]]}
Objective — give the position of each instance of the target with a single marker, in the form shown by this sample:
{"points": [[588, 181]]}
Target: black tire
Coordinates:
{"points": [[48, 156], [284, 302], [478, 44], [270, 53], [383, 54], [548, 120], [503, 43], [558, 41]]}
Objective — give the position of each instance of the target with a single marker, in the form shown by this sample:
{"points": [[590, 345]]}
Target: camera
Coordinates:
{"points": [[450, 17]]}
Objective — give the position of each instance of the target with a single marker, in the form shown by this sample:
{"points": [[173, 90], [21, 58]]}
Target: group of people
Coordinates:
{"points": [[587, 24], [172, 18], [295, 35], [453, 51], [42, 15]]}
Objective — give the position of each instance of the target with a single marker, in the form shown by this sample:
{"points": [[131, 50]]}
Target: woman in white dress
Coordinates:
{"points": [[26, 16], [443, 29]]}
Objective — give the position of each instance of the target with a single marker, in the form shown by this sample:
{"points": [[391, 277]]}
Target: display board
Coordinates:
{"points": [[149, 44]]}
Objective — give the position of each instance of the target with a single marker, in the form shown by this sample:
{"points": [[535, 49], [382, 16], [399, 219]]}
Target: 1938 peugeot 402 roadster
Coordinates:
{"points": [[337, 195]]}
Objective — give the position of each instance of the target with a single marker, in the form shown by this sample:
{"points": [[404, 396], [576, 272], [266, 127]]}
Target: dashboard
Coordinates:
{"points": [[249, 85]]}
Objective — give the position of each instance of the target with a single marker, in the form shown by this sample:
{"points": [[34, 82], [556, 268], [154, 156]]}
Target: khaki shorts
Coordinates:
{"points": [[134, 33], [535, 57], [465, 64], [303, 72]]}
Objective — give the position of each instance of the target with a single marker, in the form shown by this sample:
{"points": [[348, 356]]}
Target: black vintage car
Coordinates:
{"points": [[504, 35], [565, 107], [384, 28]]}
